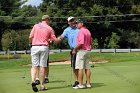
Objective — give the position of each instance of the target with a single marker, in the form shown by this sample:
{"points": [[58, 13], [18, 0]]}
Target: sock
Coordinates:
{"points": [[37, 78]]}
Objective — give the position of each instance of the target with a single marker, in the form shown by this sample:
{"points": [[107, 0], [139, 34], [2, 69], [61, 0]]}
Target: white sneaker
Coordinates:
{"points": [[88, 86], [79, 87]]}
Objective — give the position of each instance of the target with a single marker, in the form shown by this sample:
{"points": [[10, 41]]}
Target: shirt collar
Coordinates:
{"points": [[73, 27], [82, 27], [44, 22]]}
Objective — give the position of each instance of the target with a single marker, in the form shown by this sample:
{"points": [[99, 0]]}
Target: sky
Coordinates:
{"points": [[33, 2]]}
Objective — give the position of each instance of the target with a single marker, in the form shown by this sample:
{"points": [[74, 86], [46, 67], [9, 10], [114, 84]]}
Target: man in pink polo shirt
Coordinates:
{"points": [[83, 47], [39, 36]]}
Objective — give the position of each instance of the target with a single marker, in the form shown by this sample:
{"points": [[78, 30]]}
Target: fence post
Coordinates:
{"points": [[60, 50], [15, 52], [130, 50], [100, 50], [115, 51], [25, 51], [8, 53]]}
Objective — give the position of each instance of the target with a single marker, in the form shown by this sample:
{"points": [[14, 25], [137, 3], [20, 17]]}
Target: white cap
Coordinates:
{"points": [[70, 18]]}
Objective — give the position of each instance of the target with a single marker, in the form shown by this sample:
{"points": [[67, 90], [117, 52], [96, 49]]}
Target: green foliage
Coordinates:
{"points": [[101, 15], [134, 38], [16, 40], [113, 41], [95, 43]]}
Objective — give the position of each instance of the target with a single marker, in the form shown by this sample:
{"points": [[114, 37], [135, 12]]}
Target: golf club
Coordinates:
{"points": [[72, 64]]}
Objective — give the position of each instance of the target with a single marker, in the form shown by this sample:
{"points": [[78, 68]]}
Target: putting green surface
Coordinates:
{"points": [[116, 77], [121, 74]]}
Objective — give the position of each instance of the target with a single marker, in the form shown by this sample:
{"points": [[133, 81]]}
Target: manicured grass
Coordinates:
{"points": [[119, 75]]}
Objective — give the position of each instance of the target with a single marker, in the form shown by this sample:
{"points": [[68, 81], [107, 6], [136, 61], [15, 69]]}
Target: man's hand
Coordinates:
{"points": [[50, 42], [58, 39], [30, 45], [74, 51]]}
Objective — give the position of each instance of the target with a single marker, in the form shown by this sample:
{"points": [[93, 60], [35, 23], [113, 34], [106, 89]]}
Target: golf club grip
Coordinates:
{"points": [[73, 60]]}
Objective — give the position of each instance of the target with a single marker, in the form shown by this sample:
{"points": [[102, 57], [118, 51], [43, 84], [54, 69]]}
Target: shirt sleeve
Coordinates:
{"points": [[80, 38], [52, 35], [64, 34]]}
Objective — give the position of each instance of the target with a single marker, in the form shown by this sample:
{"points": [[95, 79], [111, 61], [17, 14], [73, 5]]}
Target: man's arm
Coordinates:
{"points": [[59, 38], [63, 35], [78, 47], [30, 41], [31, 35]]}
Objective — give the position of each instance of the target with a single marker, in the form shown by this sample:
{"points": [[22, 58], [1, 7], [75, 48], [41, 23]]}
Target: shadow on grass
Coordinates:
{"points": [[57, 81], [57, 87], [97, 85], [64, 85]]}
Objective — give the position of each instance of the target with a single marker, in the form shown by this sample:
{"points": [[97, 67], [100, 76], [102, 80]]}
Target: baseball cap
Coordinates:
{"points": [[70, 18], [45, 17], [80, 21]]}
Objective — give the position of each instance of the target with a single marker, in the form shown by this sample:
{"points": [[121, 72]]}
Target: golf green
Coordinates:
{"points": [[111, 77]]}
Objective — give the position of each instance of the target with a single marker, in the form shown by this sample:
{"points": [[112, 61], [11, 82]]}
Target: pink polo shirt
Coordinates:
{"points": [[41, 33], [84, 38]]}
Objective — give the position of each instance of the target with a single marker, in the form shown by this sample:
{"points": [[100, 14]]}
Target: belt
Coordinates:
{"points": [[39, 45]]}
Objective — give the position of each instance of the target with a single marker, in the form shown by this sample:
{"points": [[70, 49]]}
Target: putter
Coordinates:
{"points": [[72, 61]]}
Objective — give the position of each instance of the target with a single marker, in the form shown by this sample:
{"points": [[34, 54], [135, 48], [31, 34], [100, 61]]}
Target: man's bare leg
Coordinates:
{"points": [[42, 76], [47, 72], [34, 71], [88, 74], [75, 72], [80, 77]]}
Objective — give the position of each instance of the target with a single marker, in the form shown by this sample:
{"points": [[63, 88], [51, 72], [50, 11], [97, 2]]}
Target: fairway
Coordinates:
{"points": [[111, 77]]}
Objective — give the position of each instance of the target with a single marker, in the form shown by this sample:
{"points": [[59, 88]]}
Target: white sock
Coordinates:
{"points": [[37, 78], [46, 77]]}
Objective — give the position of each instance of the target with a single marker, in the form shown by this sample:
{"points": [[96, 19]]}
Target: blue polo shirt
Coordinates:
{"points": [[71, 35]]}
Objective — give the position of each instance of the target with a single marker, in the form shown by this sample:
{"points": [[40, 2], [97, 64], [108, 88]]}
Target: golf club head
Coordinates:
{"points": [[92, 66], [23, 77], [70, 85]]}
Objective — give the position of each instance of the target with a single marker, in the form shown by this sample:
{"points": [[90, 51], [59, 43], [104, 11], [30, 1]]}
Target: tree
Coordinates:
{"points": [[2, 29], [101, 27], [103, 18], [16, 40], [6, 9], [113, 41]]}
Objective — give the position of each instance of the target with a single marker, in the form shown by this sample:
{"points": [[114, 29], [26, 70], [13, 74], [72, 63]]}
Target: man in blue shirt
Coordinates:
{"points": [[71, 33]]}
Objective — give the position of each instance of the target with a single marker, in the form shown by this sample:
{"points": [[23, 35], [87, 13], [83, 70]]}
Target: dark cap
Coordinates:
{"points": [[80, 21]]}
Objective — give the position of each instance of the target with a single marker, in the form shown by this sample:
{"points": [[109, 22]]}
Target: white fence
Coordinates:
{"points": [[65, 50]]}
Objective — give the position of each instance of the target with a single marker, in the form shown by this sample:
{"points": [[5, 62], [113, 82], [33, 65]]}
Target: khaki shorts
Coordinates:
{"points": [[39, 55], [82, 59]]}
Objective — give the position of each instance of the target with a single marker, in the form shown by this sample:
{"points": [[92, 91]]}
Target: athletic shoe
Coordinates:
{"points": [[43, 88], [75, 84], [35, 89], [37, 82], [88, 86], [79, 87], [46, 80]]}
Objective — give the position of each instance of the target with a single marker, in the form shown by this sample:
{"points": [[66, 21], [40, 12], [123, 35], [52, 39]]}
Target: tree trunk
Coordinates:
{"points": [[0, 41]]}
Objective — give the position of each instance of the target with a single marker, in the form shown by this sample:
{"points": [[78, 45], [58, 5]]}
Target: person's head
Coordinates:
{"points": [[71, 21], [45, 18], [80, 23]]}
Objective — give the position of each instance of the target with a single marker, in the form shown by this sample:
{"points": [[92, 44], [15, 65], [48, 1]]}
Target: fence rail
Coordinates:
{"points": [[65, 50]]}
